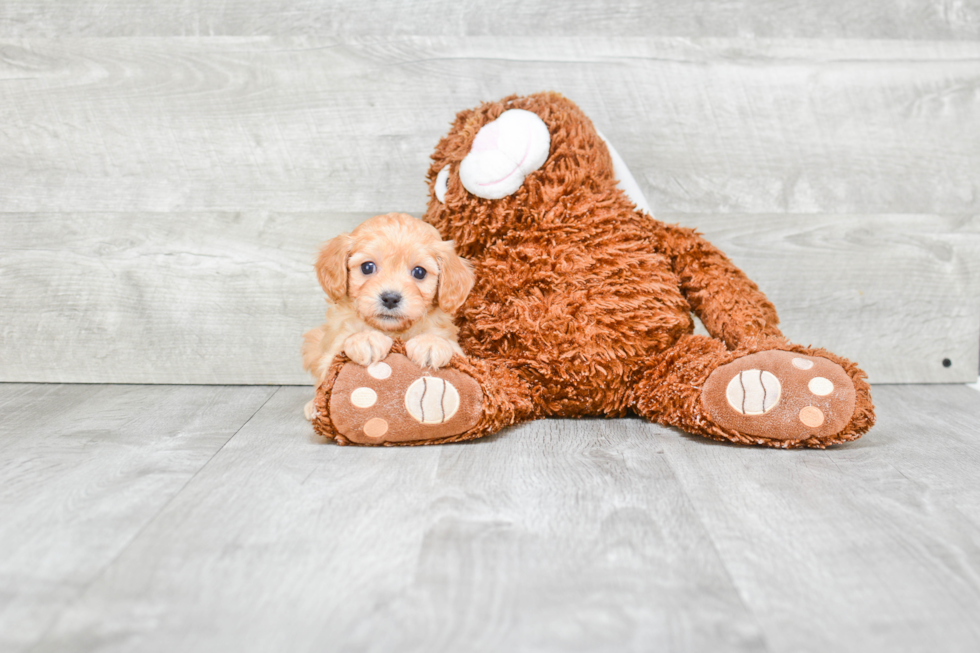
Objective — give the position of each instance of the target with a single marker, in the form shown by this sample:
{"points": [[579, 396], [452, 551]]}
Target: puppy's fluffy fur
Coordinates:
{"points": [[371, 279]]}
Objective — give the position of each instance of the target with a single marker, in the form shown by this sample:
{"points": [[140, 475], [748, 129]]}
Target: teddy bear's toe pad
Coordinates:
{"points": [[397, 401], [780, 395]]}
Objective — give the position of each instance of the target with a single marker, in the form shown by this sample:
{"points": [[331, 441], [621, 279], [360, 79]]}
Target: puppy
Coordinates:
{"points": [[391, 277]]}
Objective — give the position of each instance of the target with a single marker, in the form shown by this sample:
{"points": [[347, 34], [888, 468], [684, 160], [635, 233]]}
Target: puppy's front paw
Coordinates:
{"points": [[429, 351], [309, 410], [367, 347]]}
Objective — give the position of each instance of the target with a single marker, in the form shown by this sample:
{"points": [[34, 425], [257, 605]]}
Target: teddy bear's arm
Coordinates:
{"points": [[729, 304]]}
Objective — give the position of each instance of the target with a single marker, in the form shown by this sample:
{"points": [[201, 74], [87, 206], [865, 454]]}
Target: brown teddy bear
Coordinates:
{"points": [[582, 307]]}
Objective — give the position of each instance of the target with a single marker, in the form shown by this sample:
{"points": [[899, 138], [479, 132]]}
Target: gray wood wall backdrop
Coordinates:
{"points": [[167, 170]]}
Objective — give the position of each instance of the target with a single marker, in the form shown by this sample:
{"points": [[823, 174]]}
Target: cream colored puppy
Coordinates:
{"points": [[391, 277]]}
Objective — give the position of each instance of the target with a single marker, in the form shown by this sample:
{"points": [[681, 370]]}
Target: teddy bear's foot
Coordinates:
{"points": [[781, 395], [396, 401]]}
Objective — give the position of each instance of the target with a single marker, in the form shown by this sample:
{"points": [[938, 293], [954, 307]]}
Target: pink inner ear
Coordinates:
{"points": [[487, 138], [503, 152]]}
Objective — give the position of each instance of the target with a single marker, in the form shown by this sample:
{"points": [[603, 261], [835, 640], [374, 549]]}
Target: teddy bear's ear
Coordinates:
{"points": [[442, 184], [624, 179], [503, 153]]}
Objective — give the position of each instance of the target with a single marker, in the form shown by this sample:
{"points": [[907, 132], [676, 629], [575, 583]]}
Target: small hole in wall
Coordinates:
{"points": [[947, 362]]}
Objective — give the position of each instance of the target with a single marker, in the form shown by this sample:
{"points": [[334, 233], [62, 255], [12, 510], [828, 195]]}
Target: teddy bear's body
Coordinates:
{"points": [[583, 303], [582, 294]]}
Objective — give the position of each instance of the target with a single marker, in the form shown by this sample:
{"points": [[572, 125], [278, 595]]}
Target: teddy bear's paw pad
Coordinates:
{"points": [[395, 400], [780, 395], [431, 400]]}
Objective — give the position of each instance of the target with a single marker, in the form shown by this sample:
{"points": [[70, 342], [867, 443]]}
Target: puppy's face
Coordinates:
{"points": [[394, 269]]}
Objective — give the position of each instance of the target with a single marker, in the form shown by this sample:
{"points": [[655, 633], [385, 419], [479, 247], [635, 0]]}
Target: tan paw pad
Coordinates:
{"points": [[811, 416], [375, 427]]}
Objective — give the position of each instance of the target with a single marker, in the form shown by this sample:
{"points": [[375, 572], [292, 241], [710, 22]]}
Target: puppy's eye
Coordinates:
{"points": [[368, 267], [419, 273]]}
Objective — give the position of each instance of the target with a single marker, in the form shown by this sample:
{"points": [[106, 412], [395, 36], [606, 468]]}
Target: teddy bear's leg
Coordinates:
{"points": [[398, 402], [773, 393]]}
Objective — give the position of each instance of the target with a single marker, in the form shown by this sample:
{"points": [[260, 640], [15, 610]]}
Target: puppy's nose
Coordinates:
{"points": [[390, 299]]}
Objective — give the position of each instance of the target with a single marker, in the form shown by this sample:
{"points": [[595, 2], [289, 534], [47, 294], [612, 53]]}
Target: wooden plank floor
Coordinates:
{"points": [[196, 518]]}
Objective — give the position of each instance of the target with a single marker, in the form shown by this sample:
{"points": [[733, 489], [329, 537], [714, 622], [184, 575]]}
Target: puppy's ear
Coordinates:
{"points": [[331, 266], [456, 277]]}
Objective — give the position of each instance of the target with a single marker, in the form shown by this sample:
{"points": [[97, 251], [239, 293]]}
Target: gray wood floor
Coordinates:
{"points": [[209, 518]]}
